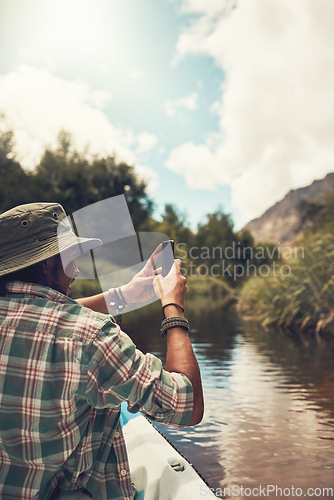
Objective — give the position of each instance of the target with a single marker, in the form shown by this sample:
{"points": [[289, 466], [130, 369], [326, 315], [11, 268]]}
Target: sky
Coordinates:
{"points": [[218, 104]]}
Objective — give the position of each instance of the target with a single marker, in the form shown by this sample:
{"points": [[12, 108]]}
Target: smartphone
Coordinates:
{"points": [[167, 256]]}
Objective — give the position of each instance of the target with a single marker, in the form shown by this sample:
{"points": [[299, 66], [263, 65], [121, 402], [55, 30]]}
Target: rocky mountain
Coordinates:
{"points": [[287, 220]]}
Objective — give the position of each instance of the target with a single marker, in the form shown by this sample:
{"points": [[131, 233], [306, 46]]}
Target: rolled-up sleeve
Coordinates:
{"points": [[118, 372]]}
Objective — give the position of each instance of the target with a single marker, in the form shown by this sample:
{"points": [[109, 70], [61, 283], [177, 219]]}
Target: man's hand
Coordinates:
{"points": [[172, 288], [141, 287], [144, 286]]}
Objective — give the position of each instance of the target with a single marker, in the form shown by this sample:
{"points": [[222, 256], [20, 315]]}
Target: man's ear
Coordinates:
{"points": [[45, 266], [47, 269]]}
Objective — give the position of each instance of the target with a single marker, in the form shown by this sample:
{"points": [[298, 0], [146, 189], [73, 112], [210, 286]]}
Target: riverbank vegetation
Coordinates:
{"points": [[302, 300]]}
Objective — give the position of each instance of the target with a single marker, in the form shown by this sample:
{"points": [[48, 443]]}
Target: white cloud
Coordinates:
{"points": [[216, 108], [207, 7], [196, 163], [99, 98], [277, 106], [149, 177], [28, 54], [146, 142], [104, 68], [136, 74], [183, 103], [37, 105]]}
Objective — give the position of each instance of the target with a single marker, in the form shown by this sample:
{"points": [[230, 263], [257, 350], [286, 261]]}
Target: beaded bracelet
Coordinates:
{"points": [[173, 322]]}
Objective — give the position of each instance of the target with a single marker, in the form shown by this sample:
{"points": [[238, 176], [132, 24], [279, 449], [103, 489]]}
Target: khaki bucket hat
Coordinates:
{"points": [[34, 232]]}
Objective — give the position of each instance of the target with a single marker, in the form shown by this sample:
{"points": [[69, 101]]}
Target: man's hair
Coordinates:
{"points": [[31, 274]]}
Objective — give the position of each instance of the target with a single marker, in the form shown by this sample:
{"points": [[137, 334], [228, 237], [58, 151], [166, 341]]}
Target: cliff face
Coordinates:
{"points": [[287, 220]]}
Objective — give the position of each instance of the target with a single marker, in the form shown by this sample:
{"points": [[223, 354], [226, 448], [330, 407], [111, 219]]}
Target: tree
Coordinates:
{"points": [[217, 231], [14, 181], [70, 178], [174, 224], [107, 178], [62, 176], [66, 176]]}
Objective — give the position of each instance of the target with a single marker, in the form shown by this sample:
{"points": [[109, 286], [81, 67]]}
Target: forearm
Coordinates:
{"points": [[97, 302], [107, 302], [180, 358]]}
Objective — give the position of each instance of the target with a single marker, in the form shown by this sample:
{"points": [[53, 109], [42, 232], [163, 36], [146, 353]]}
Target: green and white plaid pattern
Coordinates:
{"points": [[64, 371]]}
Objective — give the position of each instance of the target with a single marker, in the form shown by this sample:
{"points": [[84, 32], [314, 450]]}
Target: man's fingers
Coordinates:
{"points": [[157, 284], [178, 264], [152, 260]]}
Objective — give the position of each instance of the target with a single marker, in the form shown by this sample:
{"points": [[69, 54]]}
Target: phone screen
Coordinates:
{"points": [[167, 256]]}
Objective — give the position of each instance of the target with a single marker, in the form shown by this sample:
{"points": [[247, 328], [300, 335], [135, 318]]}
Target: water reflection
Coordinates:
{"points": [[269, 416]]}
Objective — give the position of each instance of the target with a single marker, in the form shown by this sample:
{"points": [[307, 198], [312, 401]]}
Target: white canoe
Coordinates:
{"points": [[157, 468]]}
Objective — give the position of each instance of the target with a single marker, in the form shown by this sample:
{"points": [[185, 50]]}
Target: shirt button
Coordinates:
{"points": [[123, 472], [116, 434]]}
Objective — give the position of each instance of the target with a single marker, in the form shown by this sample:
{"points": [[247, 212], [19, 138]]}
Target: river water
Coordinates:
{"points": [[268, 428]]}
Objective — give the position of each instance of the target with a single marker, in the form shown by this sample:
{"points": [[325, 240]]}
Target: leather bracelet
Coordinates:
{"points": [[171, 304], [174, 322]]}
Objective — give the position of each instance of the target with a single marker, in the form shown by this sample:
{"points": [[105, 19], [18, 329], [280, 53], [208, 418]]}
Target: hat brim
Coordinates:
{"points": [[72, 249], [68, 246]]}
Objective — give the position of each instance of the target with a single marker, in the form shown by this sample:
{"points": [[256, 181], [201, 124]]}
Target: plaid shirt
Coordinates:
{"points": [[64, 371]]}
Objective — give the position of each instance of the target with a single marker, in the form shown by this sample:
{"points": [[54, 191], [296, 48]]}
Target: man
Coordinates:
{"points": [[66, 366]]}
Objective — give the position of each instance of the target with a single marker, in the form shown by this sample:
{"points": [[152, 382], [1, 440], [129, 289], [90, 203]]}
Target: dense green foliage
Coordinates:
{"points": [[65, 176]]}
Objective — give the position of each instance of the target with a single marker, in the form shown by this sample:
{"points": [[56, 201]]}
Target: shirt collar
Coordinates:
{"points": [[20, 287]]}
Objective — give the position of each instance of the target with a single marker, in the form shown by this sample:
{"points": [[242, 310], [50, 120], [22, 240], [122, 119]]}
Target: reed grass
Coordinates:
{"points": [[304, 299]]}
